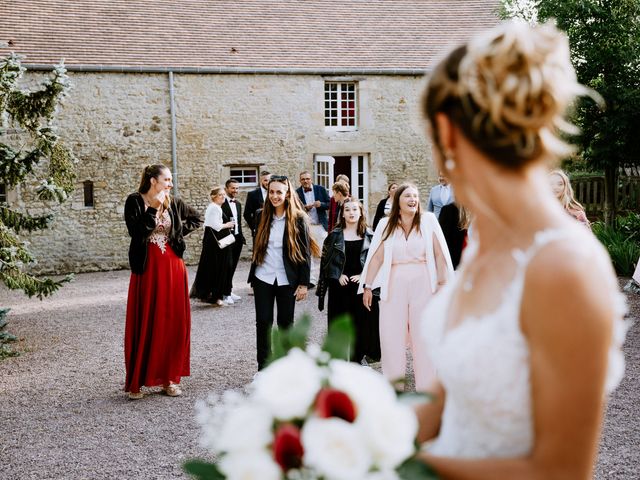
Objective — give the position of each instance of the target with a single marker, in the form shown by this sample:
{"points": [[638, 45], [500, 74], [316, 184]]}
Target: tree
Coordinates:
{"points": [[604, 36], [27, 137]]}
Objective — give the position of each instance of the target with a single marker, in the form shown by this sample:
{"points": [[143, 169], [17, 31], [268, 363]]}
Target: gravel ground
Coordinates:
{"points": [[64, 415]]}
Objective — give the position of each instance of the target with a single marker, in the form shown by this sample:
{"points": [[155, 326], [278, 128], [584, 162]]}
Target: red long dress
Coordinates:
{"points": [[158, 325]]}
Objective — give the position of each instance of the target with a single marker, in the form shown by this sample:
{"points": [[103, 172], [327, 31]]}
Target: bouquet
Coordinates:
{"points": [[310, 416]]}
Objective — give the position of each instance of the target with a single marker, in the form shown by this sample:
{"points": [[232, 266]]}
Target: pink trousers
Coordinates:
{"points": [[400, 315]]}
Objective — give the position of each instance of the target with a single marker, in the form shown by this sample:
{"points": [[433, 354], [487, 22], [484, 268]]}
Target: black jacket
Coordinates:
{"points": [[449, 220], [379, 212], [141, 223], [226, 208], [333, 259], [254, 202], [297, 273]]}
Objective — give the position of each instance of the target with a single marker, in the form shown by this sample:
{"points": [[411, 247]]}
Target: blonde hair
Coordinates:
{"points": [[215, 191], [566, 197], [342, 178], [341, 187], [508, 90]]}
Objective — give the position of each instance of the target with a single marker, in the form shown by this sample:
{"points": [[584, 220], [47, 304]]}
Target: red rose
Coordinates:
{"points": [[287, 447], [334, 403]]}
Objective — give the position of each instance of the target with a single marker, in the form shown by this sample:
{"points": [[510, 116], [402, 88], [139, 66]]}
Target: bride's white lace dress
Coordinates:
{"points": [[483, 365]]}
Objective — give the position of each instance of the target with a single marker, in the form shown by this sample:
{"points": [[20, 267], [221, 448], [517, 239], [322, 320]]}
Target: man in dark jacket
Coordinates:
{"points": [[255, 201], [233, 209]]}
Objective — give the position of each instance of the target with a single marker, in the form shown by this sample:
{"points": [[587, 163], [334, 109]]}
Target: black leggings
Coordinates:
{"points": [[264, 296]]}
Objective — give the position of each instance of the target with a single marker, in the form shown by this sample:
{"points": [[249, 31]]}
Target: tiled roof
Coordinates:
{"points": [[269, 34]]}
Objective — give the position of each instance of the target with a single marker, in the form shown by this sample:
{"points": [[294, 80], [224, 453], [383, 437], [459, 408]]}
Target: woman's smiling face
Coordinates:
{"points": [[409, 200]]}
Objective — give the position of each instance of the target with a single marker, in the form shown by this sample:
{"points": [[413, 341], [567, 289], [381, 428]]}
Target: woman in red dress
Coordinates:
{"points": [[158, 325]]}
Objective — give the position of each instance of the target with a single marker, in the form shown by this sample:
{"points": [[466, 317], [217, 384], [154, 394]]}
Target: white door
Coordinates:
{"points": [[324, 171], [360, 179]]}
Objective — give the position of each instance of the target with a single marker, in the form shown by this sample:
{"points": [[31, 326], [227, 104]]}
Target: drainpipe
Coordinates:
{"points": [[174, 158]]}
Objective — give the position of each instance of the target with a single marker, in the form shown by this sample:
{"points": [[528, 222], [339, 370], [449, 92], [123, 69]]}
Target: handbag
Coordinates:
{"points": [[224, 240]]}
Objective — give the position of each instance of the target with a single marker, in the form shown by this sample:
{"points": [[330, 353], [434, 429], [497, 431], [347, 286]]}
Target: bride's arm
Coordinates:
{"points": [[429, 414], [566, 316]]}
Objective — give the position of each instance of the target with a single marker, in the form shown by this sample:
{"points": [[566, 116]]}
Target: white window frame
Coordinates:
{"points": [[341, 87], [242, 178]]}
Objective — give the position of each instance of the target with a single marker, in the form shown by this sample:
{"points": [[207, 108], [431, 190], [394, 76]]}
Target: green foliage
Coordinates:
{"points": [[203, 470], [5, 337], [622, 241], [33, 139], [340, 339], [413, 469]]}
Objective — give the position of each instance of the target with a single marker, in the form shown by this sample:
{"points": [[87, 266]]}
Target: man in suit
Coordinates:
{"points": [[255, 201], [440, 195], [233, 209], [315, 199]]}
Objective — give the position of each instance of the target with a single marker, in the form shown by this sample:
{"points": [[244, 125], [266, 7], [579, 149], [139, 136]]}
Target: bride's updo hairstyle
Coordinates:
{"points": [[508, 90]]}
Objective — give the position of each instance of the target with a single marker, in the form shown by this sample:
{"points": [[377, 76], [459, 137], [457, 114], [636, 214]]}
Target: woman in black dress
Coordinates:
{"points": [[343, 255], [213, 278], [384, 207]]}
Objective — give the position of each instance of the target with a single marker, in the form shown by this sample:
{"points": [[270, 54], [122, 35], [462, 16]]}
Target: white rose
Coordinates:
{"points": [[390, 429], [383, 475], [335, 449], [256, 465], [289, 385], [363, 385], [246, 427]]}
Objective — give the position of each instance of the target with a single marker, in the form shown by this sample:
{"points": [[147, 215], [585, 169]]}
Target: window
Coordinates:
{"points": [[88, 193], [340, 108], [246, 176], [3, 193]]}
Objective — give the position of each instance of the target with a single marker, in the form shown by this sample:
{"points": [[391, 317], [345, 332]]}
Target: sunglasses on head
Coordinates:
{"points": [[278, 178]]}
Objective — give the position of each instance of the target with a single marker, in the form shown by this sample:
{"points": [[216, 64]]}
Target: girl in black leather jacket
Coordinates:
{"points": [[343, 256]]}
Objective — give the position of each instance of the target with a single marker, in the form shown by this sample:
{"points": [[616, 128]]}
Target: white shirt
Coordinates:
{"points": [[213, 217], [445, 194], [310, 198], [234, 212], [272, 268], [264, 194]]}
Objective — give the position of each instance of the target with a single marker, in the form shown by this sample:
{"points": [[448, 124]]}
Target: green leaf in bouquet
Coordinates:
{"points": [[414, 469], [203, 470], [284, 340], [415, 398], [340, 338]]}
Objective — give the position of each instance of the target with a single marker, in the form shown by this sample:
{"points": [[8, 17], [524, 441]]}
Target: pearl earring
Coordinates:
{"points": [[449, 163]]}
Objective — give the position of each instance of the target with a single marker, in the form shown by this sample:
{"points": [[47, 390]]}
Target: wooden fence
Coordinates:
{"points": [[590, 192]]}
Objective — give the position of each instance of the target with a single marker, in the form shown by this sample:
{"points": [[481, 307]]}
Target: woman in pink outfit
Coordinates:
{"points": [[409, 261]]}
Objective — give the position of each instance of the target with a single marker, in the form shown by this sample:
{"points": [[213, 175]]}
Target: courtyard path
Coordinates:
{"points": [[63, 413]]}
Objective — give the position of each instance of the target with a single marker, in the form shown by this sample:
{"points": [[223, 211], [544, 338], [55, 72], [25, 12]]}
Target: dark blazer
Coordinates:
{"points": [[254, 202], [141, 223], [226, 209], [454, 235], [333, 259], [297, 273], [379, 212], [320, 193]]}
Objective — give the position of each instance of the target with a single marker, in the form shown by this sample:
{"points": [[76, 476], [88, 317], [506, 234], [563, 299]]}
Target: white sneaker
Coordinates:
{"points": [[228, 300], [235, 297]]}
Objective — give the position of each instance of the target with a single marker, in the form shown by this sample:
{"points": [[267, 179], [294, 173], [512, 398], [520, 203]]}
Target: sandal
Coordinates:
{"points": [[135, 395], [173, 390]]}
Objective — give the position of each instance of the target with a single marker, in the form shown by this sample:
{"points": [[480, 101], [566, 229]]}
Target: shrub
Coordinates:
{"points": [[5, 337], [622, 241]]}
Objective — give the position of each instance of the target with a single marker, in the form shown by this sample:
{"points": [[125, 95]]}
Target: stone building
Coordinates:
{"points": [[228, 88]]}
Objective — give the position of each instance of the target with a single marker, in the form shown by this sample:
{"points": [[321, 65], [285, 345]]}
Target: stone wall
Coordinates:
{"points": [[118, 123]]}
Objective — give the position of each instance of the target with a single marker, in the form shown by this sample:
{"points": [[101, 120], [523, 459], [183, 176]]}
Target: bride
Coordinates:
{"points": [[523, 339]]}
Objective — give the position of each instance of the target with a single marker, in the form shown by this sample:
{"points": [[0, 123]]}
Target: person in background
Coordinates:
{"points": [[232, 208], [440, 195], [158, 324], [454, 222], [340, 191], [255, 201], [561, 187], [384, 206], [343, 255], [526, 339], [315, 200], [213, 277], [281, 263], [409, 261]]}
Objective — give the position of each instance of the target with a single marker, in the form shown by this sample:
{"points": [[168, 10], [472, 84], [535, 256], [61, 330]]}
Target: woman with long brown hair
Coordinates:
{"points": [[526, 338], [343, 255], [158, 326], [409, 261], [281, 264]]}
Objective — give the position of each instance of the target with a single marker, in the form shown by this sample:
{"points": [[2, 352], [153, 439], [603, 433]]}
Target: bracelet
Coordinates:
{"points": [[366, 287]]}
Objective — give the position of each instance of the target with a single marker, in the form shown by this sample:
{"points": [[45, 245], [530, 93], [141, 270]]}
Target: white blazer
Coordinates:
{"points": [[428, 226]]}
